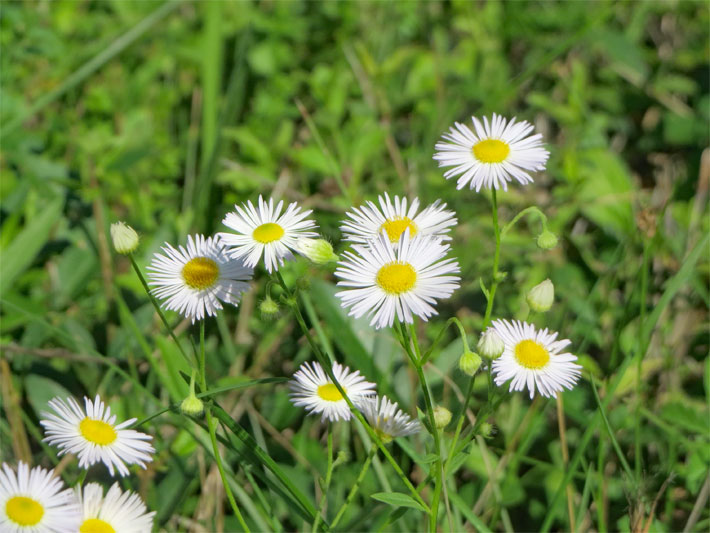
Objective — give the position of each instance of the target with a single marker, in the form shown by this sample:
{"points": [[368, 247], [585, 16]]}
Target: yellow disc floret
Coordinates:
{"points": [[396, 277], [330, 393], [95, 525], [97, 431], [24, 511], [200, 273], [396, 226], [531, 354], [268, 232], [491, 151]]}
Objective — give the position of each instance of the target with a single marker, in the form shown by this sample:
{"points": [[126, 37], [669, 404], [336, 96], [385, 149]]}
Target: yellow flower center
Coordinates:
{"points": [[200, 273], [97, 431], [94, 525], [531, 354], [491, 151], [268, 232], [396, 278], [396, 226], [24, 511], [330, 393]]}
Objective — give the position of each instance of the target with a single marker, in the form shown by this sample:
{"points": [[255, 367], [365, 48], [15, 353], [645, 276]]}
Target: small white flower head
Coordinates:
{"points": [[319, 251], [117, 512], [93, 435], [313, 389], [36, 501], [541, 296], [491, 154], [547, 240], [124, 237], [194, 281], [490, 344], [442, 417], [387, 281], [387, 420], [265, 231], [469, 363], [365, 223], [534, 359]]}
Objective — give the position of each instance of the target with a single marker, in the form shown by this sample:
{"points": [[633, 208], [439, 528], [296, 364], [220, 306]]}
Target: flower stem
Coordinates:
{"points": [[328, 475], [355, 488], [212, 426]]}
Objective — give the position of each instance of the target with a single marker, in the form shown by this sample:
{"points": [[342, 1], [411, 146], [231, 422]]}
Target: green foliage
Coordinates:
{"points": [[166, 115]]}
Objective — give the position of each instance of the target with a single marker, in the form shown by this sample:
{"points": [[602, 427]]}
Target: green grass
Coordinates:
{"points": [[166, 114]]}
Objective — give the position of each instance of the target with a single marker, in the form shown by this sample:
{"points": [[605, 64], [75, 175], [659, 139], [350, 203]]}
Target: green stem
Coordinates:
{"points": [[459, 425], [355, 488], [156, 305], [532, 209], [327, 367], [407, 344], [642, 319], [462, 333], [328, 475], [212, 426]]}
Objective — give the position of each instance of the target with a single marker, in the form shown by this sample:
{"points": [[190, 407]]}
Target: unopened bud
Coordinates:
{"points": [[125, 238], [547, 240], [487, 430], [192, 405], [490, 344], [442, 417], [268, 308], [319, 251], [541, 296], [469, 363]]}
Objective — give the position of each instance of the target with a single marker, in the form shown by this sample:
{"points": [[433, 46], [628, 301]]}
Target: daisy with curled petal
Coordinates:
{"points": [[387, 419], [35, 501], [384, 281], [313, 389], [492, 155], [93, 435], [534, 359], [117, 512], [368, 221], [266, 231], [194, 281]]}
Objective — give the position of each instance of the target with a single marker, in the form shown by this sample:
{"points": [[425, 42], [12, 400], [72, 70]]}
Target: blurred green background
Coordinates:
{"points": [[165, 115]]}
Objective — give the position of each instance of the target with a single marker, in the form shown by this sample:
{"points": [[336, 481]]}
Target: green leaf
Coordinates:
{"points": [[397, 499]]}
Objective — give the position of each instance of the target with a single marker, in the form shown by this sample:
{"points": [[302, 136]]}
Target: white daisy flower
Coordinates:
{"points": [[313, 389], [384, 280], [368, 221], [266, 231], [35, 501], [534, 359], [118, 512], [94, 436], [492, 155], [387, 419], [194, 281]]}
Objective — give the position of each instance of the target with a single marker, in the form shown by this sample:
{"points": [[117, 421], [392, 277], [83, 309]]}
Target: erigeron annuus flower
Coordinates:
{"points": [[388, 281], [266, 231], [93, 435], [534, 359], [367, 222], [195, 280], [491, 154], [34, 501], [117, 512], [387, 420], [313, 389]]}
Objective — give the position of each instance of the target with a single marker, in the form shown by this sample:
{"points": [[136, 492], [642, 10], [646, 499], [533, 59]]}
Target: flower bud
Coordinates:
{"points": [[547, 240], [125, 238], [541, 296], [192, 405], [487, 430], [442, 417], [490, 344], [319, 251], [268, 308], [469, 363]]}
